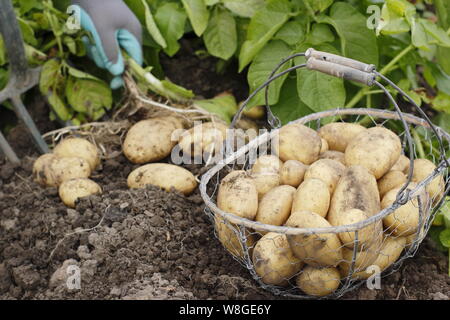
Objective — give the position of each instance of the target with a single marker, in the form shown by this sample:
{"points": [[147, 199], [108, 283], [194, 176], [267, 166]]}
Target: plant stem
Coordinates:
{"points": [[310, 10], [419, 145]]}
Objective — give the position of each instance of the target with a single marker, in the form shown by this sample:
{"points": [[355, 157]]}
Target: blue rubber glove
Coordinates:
{"points": [[113, 26]]}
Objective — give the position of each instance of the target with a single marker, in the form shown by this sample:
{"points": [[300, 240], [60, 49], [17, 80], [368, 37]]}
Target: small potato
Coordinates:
{"points": [[226, 233], [391, 180], [63, 169], [324, 249], [402, 164], [340, 134], [319, 282], [325, 146], [298, 142], [238, 195], [333, 155], [357, 189], [423, 168], [72, 190], [274, 260], [275, 207], [79, 148], [366, 235], [364, 259], [206, 138], [151, 140], [312, 195], [163, 175], [327, 170], [376, 149], [265, 173], [405, 220], [247, 124], [292, 173], [267, 163], [41, 170], [256, 113]]}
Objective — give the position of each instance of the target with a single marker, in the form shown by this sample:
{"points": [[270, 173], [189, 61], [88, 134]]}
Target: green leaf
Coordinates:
{"points": [[262, 67], [245, 8], [392, 21], [263, 26], [442, 79], [444, 236], [320, 5], [443, 13], [320, 33], [177, 90], [221, 36], [3, 78], [443, 121], [171, 20], [198, 15], [58, 106], [152, 28], [290, 107], [442, 102], [224, 106], [27, 32], [357, 41], [211, 2], [317, 90], [2, 52], [80, 74], [291, 33], [49, 75], [443, 60], [419, 37], [438, 34]]}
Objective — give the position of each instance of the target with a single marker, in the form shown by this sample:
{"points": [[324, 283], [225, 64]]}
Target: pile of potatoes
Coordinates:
{"points": [[340, 175]]}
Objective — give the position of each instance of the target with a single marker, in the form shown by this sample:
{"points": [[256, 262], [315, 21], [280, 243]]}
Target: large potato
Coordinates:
{"points": [[357, 189], [72, 190], [319, 282], [238, 195], [423, 168], [79, 148], [274, 260], [340, 134], [391, 180], [404, 221], [206, 138], [312, 195], [327, 170], [323, 249], [227, 234], [292, 173], [265, 173], [298, 142], [333, 155], [163, 175], [151, 140], [275, 207], [63, 169], [41, 169], [376, 149]]}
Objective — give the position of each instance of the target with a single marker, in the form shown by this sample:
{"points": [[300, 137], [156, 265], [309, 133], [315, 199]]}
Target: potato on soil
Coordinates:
{"points": [[327, 170], [391, 180], [319, 282], [402, 164], [79, 148], [292, 173], [226, 233], [63, 169], [376, 149], [72, 190], [41, 170], [151, 140], [274, 260], [323, 249], [298, 142], [423, 168], [312, 195], [238, 195], [333, 155], [340, 134], [204, 138], [163, 175], [357, 189], [275, 207]]}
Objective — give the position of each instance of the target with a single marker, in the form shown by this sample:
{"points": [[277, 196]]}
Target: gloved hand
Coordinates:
{"points": [[112, 25]]}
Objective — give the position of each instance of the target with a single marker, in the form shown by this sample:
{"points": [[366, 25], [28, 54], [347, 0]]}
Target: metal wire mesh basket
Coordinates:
{"points": [[329, 261]]}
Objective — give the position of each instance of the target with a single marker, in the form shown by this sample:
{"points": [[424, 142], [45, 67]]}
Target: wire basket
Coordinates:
{"points": [[299, 255]]}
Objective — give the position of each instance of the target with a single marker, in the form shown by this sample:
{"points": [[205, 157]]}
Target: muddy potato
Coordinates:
{"points": [[275, 207], [312, 195], [163, 175], [391, 180], [274, 260], [79, 148], [72, 190], [376, 149], [204, 138], [292, 173], [298, 142], [357, 189], [226, 233], [325, 146], [340, 134], [402, 164], [319, 282], [41, 170], [405, 220], [327, 170], [238, 195], [151, 140], [423, 168], [333, 155], [63, 169], [323, 249]]}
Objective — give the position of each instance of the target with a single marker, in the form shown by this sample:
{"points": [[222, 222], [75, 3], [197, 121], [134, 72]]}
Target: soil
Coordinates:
{"points": [[144, 244]]}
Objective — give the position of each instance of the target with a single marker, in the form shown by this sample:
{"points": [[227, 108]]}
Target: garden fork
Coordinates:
{"points": [[21, 79]]}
